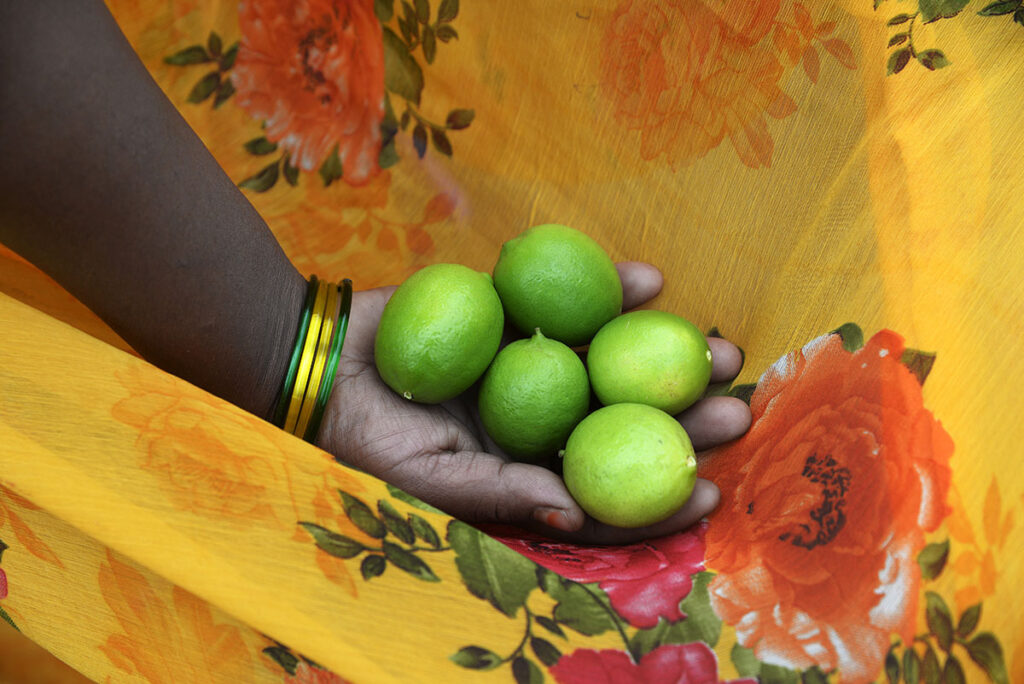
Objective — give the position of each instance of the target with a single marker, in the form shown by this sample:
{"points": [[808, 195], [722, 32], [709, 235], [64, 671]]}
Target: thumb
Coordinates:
{"points": [[478, 487]]}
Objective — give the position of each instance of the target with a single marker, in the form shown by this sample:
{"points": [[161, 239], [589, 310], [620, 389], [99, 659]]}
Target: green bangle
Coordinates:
{"points": [[293, 365], [332, 362]]}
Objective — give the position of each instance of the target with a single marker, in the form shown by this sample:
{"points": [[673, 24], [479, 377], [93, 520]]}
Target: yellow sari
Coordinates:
{"points": [[831, 185]]}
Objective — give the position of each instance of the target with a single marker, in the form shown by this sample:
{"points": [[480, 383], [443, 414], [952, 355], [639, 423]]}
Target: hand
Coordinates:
{"points": [[442, 455]]}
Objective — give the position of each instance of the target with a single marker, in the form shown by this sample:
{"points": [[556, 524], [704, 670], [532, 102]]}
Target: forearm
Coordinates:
{"points": [[104, 186]]}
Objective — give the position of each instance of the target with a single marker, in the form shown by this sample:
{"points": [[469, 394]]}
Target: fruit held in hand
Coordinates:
{"points": [[438, 333], [629, 465], [532, 396], [560, 280], [649, 357]]}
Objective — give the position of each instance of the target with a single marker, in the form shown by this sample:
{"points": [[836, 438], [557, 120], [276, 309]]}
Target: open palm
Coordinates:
{"points": [[442, 455]]}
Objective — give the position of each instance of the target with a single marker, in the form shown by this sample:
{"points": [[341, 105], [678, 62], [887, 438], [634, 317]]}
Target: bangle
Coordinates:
{"points": [[306, 360], [316, 372], [340, 328], [293, 364], [309, 380]]}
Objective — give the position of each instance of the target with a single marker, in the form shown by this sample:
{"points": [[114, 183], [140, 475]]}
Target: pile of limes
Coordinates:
{"points": [[629, 463]]}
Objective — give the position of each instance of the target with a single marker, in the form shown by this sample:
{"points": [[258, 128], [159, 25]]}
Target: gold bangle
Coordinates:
{"points": [[333, 358], [319, 360], [306, 361]]}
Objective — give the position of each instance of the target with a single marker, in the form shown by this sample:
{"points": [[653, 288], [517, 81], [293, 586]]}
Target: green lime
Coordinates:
{"points": [[629, 465], [532, 396], [438, 332], [560, 280], [650, 357]]}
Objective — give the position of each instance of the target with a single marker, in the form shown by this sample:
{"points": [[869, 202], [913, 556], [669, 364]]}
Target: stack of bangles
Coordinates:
{"points": [[314, 361]]}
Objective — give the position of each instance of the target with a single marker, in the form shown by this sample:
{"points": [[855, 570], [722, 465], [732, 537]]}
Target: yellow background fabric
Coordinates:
{"points": [[783, 195]]}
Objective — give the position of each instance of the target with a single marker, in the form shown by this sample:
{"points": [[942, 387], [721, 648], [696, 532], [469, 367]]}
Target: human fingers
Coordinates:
{"points": [[641, 282], [703, 501], [726, 359], [715, 420], [479, 487]]}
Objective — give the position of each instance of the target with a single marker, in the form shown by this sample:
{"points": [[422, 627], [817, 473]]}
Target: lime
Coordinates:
{"points": [[532, 396], [650, 357], [560, 280], [438, 332], [629, 465]]}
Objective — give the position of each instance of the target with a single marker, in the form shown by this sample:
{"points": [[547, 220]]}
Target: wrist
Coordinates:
{"points": [[282, 312], [308, 379]]}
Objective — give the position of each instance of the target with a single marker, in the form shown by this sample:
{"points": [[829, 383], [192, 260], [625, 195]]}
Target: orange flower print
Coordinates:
{"points": [[687, 78], [313, 71], [191, 444], [687, 74], [185, 444], [748, 20], [825, 505], [979, 557], [370, 246], [167, 635], [11, 503]]}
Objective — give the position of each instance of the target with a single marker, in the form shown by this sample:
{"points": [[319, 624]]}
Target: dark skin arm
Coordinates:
{"points": [[105, 187], [108, 190]]}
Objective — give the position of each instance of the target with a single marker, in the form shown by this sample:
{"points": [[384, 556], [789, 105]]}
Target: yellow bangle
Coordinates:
{"points": [[319, 361], [306, 360], [333, 359]]}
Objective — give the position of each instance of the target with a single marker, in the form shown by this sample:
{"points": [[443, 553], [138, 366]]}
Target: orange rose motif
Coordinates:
{"points": [[825, 504], [313, 71], [164, 634], [178, 435], [12, 508], [687, 76]]}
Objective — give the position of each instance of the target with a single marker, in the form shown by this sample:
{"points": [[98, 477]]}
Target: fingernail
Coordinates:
{"points": [[553, 517]]}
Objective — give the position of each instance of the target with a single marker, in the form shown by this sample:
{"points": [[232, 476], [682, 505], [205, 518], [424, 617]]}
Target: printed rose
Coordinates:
{"points": [[825, 503], [161, 633], [643, 581], [688, 76], [313, 71], [185, 442], [675, 664]]}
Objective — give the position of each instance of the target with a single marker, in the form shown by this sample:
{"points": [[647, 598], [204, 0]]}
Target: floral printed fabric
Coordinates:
{"points": [[843, 473], [681, 664], [689, 75], [791, 165], [818, 551], [314, 72], [644, 582]]}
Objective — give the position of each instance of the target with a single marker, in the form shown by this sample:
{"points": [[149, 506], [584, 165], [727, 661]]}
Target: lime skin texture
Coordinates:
{"points": [[438, 333], [650, 357], [560, 280], [629, 465], [532, 396]]}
